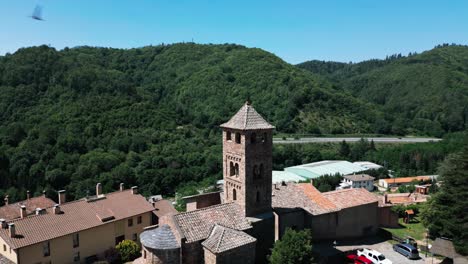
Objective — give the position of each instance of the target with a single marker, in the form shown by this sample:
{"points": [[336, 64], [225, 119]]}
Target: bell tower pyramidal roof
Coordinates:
{"points": [[247, 118]]}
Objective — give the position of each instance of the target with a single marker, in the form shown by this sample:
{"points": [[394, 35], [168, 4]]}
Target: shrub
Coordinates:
{"points": [[128, 250]]}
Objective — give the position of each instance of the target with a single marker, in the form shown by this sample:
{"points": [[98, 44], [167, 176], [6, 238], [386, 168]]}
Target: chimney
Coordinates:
{"points": [[134, 190], [12, 229], [6, 199], [385, 198], [28, 195], [98, 189], [57, 209], [39, 211], [62, 197], [3, 224], [23, 211], [122, 187]]}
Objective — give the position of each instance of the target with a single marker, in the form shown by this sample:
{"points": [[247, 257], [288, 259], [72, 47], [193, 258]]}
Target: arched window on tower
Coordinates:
{"points": [[238, 138], [264, 137], [232, 169], [234, 194], [237, 169], [228, 135], [253, 138], [257, 199]]}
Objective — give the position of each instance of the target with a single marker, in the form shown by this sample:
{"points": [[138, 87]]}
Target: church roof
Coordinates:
{"points": [[247, 119], [196, 225], [223, 239], [159, 238]]}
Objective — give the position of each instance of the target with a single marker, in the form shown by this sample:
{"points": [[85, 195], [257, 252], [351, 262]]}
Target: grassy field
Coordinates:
{"points": [[414, 229]]}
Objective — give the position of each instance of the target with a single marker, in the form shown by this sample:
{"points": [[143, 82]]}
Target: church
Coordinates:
{"points": [[241, 223]]}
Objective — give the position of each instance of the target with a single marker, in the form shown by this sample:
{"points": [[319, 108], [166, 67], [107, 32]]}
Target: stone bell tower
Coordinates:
{"points": [[247, 161]]}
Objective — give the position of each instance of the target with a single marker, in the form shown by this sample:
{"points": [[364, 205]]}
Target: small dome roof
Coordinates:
{"points": [[159, 238]]}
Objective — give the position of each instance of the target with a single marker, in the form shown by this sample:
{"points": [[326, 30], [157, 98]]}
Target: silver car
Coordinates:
{"points": [[406, 250]]}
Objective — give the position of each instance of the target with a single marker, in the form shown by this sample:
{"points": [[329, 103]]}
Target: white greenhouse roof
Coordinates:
{"points": [[326, 167], [285, 176]]}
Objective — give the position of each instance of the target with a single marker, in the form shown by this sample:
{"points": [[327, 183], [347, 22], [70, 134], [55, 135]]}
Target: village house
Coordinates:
{"points": [[240, 224], [395, 182], [31, 205], [357, 181], [74, 232]]}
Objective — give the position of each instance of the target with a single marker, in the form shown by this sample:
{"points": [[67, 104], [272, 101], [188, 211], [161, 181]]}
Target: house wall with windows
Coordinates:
{"points": [[7, 251], [92, 242]]}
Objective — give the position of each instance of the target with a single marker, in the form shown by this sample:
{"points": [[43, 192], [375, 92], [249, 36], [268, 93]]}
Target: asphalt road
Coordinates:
{"points": [[353, 139]]}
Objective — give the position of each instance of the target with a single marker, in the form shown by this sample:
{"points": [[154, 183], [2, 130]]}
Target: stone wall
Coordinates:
{"points": [[152, 256], [192, 253], [387, 218], [264, 231], [358, 221], [241, 255], [202, 200]]}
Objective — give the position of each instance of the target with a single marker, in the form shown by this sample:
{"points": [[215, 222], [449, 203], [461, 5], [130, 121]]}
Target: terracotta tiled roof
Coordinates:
{"points": [[4, 260], [247, 118], [77, 216], [159, 238], [307, 197], [223, 239], [12, 211], [301, 196], [164, 207], [359, 177], [350, 197], [408, 179], [196, 225]]}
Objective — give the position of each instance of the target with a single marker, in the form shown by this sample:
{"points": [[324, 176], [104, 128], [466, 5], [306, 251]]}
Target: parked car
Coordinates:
{"points": [[407, 250], [374, 256], [358, 259]]}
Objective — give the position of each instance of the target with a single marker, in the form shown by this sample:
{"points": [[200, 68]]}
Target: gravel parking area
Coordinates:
{"points": [[387, 249]]}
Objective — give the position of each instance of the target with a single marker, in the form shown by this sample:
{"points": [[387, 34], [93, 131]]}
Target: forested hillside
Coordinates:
{"points": [[423, 93], [147, 116]]}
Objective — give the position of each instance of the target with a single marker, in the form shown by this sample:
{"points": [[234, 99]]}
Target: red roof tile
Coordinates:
{"points": [[12, 211], [196, 225], [77, 216], [164, 207], [350, 197]]}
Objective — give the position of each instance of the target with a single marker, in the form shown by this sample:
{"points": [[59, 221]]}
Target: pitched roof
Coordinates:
{"points": [[12, 211], [159, 238], [164, 207], [307, 197], [408, 179], [224, 238], [359, 177], [350, 197], [77, 216], [247, 118], [196, 225], [301, 196]]}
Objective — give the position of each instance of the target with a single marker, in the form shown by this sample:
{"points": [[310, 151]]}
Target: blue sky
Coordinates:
{"points": [[296, 31]]}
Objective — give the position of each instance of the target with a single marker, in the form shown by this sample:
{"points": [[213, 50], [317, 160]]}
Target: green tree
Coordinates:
{"points": [[128, 250], [445, 213], [344, 149], [295, 247]]}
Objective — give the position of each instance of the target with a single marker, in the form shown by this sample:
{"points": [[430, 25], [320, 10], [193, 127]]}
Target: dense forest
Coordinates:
{"points": [[150, 116], [147, 116], [420, 93]]}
